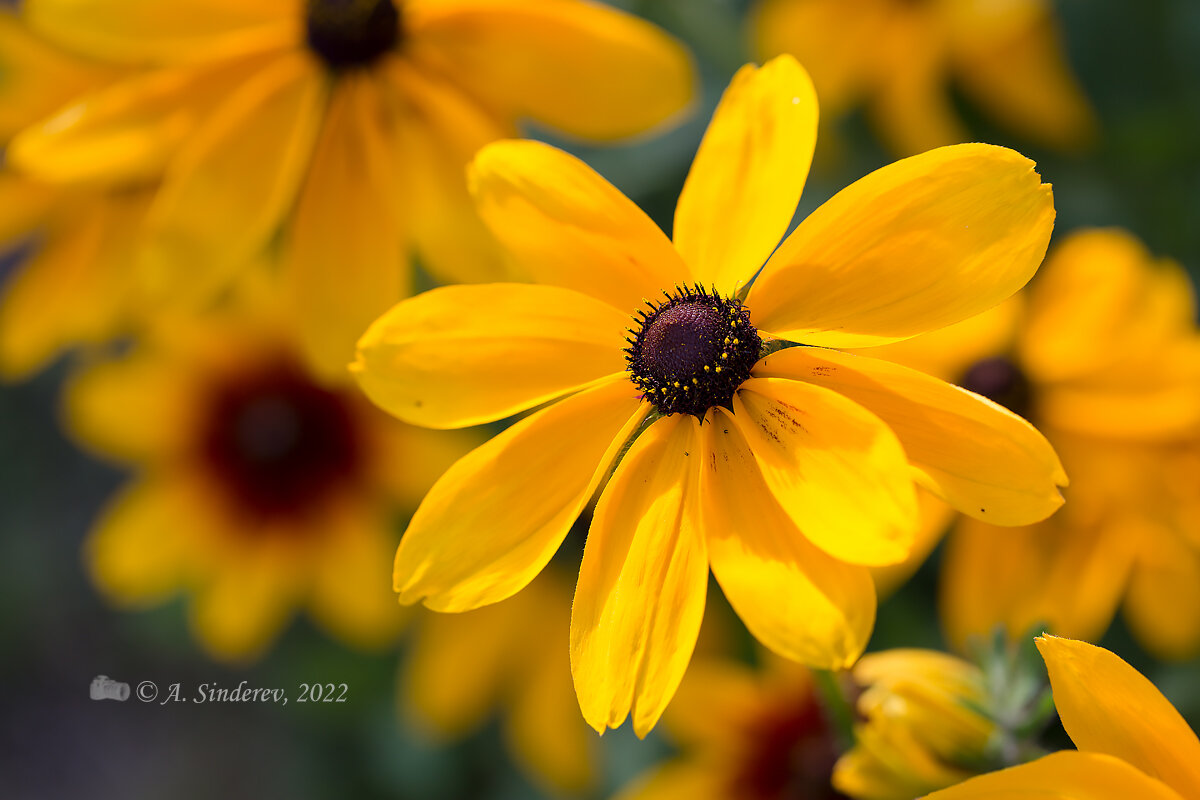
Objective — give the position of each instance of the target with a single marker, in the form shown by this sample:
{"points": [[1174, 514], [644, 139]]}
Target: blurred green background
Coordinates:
{"points": [[1140, 65]]}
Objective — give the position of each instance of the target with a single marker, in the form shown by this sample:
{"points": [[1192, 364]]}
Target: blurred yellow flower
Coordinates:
{"points": [[899, 57], [511, 656], [803, 473], [745, 735], [925, 725], [257, 489], [341, 127], [1132, 742], [1102, 354]]}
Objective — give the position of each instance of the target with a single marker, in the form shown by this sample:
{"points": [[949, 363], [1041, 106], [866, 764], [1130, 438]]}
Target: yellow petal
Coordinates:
{"points": [[1162, 602], [1108, 707], [461, 355], [76, 288], [141, 407], [349, 594], [441, 130], [640, 596], [1067, 577], [26, 203], [1024, 80], [746, 180], [225, 193], [795, 599], [134, 31], [582, 68], [934, 520], [345, 260], [457, 667], [127, 132], [914, 246], [494, 519], [976, 455], [567, 226], [243, 606], [833, 466], [688, 780], [141, 549], [1067, 775]]}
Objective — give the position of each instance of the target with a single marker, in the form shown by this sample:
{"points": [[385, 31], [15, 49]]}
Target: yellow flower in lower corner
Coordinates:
{"points": [[789, 471], [258, 490], [899, 59], [1132, 742], [925, 725]]}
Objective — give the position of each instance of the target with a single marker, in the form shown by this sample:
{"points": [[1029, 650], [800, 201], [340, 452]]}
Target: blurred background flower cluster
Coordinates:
{"points": [[204, 203]]}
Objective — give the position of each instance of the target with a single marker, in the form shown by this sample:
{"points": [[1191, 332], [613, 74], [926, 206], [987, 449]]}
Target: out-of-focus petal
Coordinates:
{"points": [[1066, 775]]}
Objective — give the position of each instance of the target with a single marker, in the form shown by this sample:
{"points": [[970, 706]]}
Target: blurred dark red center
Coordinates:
{"points": [[351, 33], [279, 444], [1002, 381], [789, 755]]}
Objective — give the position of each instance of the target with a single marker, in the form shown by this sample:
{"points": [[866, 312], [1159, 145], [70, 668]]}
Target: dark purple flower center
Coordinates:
{"points": [[691, 352], [1000, 379], [789, 755], [352, 33], [278, 444]]}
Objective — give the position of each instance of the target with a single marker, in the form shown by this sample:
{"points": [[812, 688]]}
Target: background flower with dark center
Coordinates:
{"points": [[258, 489], [1101, 352], [342, 127], [801, 473], [900, 58], [746, 734], [1132, 742]]}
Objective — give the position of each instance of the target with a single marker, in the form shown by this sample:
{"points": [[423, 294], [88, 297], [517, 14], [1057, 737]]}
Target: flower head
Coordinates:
{"points": [[788, 480], [1132, 742], [339, 128], [258, 489]]}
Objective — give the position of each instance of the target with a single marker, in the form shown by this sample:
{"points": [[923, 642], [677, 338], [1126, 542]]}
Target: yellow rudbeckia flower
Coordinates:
{"points": [[341, 126], [1101, 352], [258, 490], [1132, 742], [925, 725], [898, 57], [801, 474]]}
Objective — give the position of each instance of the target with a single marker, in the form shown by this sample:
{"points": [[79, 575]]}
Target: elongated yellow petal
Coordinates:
{"points": [[1066, 775], [461, 355], [978, 456], [640, 596], [345, 259], [1162, 602], [349, 593], [582, 68], [490, 524], [441, 130], [141, 548], [226, 192], [746, 180], [134, 31], [834, 467], [1108, 707], [914, 246], [127, 132], [567, 226], [795, 599]]}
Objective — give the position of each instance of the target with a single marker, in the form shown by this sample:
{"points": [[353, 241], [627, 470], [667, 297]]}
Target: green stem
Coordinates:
{"points": [[841, 714]]}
